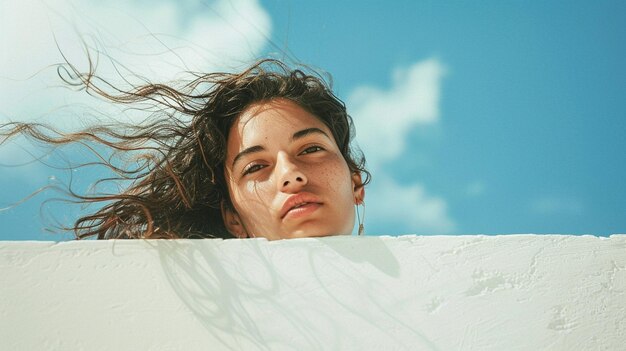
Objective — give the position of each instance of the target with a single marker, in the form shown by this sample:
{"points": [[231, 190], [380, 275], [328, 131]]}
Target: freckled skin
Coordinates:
{"points": [[261, 182]]}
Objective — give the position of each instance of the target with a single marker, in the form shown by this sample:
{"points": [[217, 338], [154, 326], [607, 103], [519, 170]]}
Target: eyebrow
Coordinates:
{"points": [[297, 135], [308, 131], [250, 150]]}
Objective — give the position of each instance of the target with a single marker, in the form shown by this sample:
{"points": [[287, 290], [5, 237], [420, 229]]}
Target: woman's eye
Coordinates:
{"points": [[253, 168], [311, 149]]}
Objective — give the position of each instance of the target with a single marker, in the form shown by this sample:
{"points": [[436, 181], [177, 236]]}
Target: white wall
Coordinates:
{"points": [[518, 292]]}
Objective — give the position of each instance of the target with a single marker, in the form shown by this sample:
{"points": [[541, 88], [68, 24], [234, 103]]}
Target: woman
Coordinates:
{"points": [[266, 154]]}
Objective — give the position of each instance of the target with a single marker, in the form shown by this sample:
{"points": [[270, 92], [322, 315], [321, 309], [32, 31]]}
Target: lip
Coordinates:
{"points": [[299, 199]]}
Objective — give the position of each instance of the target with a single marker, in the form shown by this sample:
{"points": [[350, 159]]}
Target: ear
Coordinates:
{"points": [[232, 221], [358, 188]]}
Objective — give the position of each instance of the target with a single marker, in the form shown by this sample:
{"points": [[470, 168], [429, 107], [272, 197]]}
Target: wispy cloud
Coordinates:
{"points": [[18, 163], [476, 188], [383, 119], [551, 205], [409, 207]]}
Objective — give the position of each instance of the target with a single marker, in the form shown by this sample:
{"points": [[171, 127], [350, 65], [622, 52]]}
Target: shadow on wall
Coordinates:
{"points": [[246, 295]]}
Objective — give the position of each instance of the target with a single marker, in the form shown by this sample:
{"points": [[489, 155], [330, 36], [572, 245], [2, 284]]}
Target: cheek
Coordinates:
{"points": [[246, 191], [336, 178], [251, 199]]}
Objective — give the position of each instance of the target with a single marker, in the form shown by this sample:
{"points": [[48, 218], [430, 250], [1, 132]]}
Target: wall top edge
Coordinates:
{"points": [[333, 239]]}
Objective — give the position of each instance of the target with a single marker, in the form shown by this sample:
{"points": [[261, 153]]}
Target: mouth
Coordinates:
{"points": [[300, 205], [302, 210]]}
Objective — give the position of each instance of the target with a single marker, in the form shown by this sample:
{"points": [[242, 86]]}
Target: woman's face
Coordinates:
{"points": [[286, 175]]}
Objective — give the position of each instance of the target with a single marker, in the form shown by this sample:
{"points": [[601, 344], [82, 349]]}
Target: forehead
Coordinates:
{"points": [[275, 112], [270, 122]]}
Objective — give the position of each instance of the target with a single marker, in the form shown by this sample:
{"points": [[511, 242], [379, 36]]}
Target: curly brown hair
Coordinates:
{"points": [[178, 184]]}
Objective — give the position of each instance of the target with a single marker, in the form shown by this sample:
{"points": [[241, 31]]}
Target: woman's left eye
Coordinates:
{"points": [[311, 149]]}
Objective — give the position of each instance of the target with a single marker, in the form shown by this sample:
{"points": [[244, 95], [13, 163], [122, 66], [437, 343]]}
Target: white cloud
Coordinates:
{"points": [[550, 205], [389, 203], [156, 40], [383, 119]]}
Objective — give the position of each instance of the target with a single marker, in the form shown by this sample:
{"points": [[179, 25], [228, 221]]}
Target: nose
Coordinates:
{"points": [[291, 179]]}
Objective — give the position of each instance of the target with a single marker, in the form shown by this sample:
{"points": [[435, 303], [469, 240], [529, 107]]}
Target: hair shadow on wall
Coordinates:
{"points": [[366, 252], [251, 293], [226, 298]]}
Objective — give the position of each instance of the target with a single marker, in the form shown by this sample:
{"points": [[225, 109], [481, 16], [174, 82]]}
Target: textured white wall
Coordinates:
{"points": [[519, 292]]}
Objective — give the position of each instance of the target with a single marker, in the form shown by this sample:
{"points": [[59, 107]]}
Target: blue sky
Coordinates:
{"points": [[476, 118]]}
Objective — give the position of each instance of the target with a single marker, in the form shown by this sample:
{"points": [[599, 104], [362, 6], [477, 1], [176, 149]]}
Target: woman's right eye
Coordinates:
{"points": [[253, 168]]}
